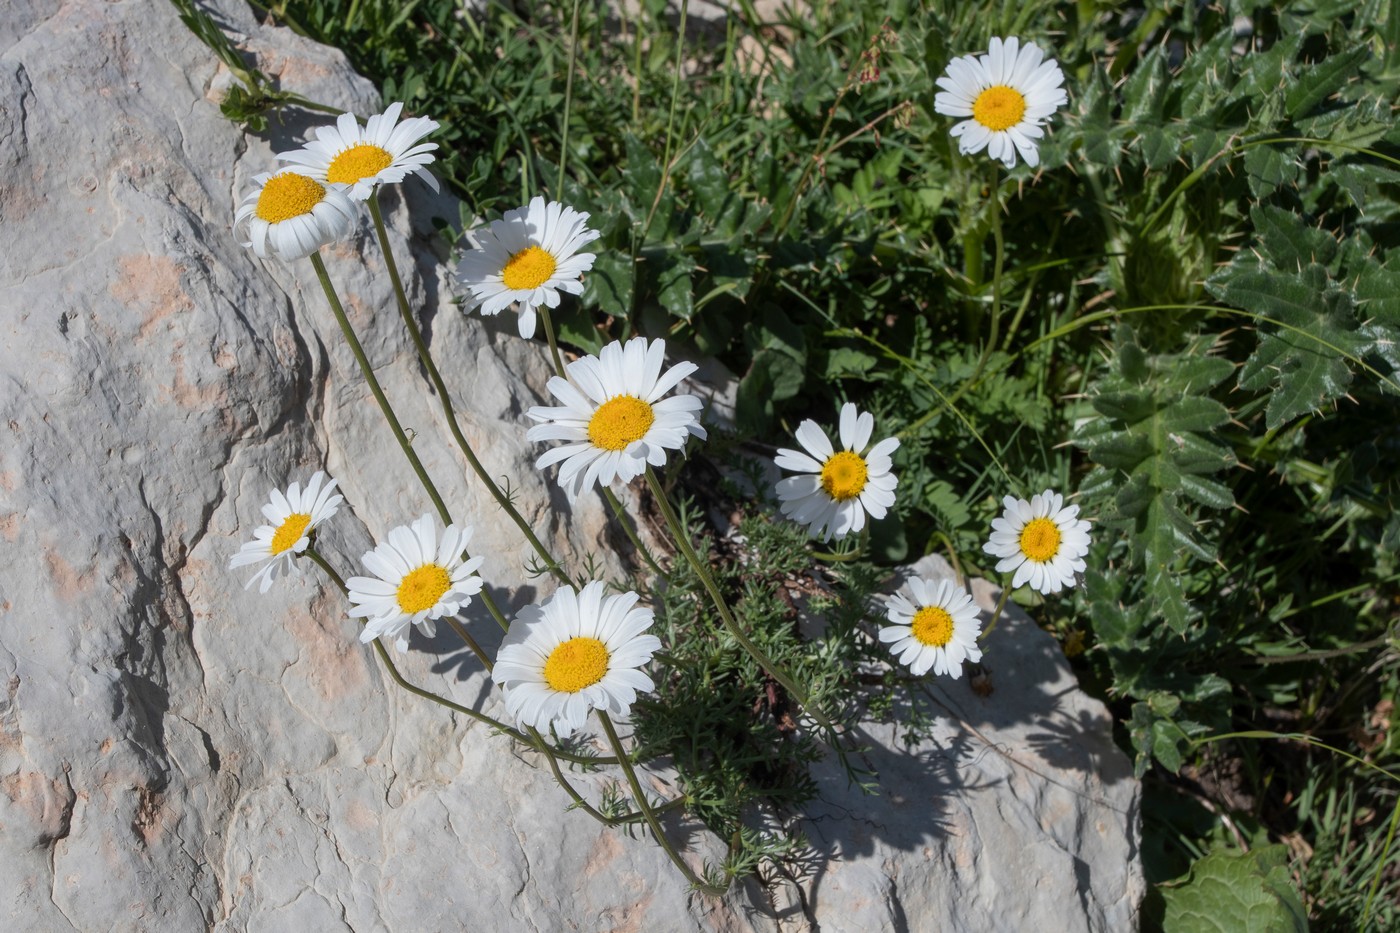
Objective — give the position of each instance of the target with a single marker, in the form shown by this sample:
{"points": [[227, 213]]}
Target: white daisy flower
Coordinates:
{"points": [[383, 151], [417, 579], [574, 653], [937, 629], [291, 215], [837, 488], [1009, 93], [615, 421], [1044, 543], [528, 256], [293, 517]]}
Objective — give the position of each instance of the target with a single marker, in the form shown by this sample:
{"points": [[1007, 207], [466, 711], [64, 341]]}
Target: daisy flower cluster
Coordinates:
{"points": [[312, 199]]}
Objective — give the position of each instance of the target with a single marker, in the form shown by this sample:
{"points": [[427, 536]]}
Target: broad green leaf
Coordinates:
{"points": [[675, 291], [1235, 892], [610, 283]]}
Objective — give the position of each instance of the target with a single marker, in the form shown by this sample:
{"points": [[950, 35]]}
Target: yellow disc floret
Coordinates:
{"points": [[357, 162], [288, 195], [999, 108], [422, 588], [577, 663], [619, 421], [1040, 539], [932, 626], [527, 269], [844, 475], [289, 532]]}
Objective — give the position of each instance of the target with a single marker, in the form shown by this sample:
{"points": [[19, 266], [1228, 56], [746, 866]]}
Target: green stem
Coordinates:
{"points": [[368, 372], [548, 321], [683, 542], [440, 387], [390, 417], [649, 814], [997, 264], [568, 101], [642, 550], [996, 614], [670, 119]]}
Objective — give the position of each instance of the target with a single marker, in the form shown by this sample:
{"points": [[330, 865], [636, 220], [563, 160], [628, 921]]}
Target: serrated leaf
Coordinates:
{"points": [[1303, 356], [1235, 892], [1159, 145], [1270, 168], [1288, 242], [1096, 121], [1319, 81], [1145, 92]]}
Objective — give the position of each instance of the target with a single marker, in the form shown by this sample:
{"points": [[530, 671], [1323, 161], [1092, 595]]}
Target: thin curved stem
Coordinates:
{"points": [[568, 101], [996, 613], [642, 550], [649, 814], [670, 119], [426, 358], [548, 322], [368, 372], [683, 542]]}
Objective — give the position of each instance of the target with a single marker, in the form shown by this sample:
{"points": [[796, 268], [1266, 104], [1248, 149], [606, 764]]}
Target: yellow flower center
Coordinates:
{"points": [[362, 161], [999, 108], [1040, 539], [288, 195], [422, 588], [289, 532], [527, 269], [619, 421], [933, 626], [577, 663], [844, 475]]}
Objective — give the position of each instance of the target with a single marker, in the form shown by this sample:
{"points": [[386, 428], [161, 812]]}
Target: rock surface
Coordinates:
{"points": [[177, 753]]}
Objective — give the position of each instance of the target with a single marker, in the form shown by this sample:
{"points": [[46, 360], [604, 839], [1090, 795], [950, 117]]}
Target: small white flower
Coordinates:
{"points": [[938, 629], [837, 488], [383, 151], [1044, 543], [528, 256], [574, 653], [1009, 94], [417, 579], [614, 419], [293, 516], [291, 215]]}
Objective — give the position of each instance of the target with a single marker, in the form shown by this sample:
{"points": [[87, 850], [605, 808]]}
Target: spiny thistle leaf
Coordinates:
{"points": [[1154, 444]]}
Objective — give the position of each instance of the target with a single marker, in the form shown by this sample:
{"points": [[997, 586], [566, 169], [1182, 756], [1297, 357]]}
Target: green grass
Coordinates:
{"points": [[1194, 328]]}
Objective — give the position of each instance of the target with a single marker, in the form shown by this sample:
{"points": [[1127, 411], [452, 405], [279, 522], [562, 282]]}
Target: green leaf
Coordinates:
{"points": [[1155, 442], [1270, 168], [1235, 892], [1289, 242], [1319, 81], [1302, 354], [675, 291], [1096, 122], [609, 284]]}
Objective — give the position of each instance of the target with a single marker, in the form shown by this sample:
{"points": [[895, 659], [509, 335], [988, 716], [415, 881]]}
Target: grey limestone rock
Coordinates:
{"points": [[177, 753]]}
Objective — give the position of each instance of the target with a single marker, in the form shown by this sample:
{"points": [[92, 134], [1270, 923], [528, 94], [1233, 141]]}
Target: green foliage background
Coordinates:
{"points": [[1188, 315]]}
